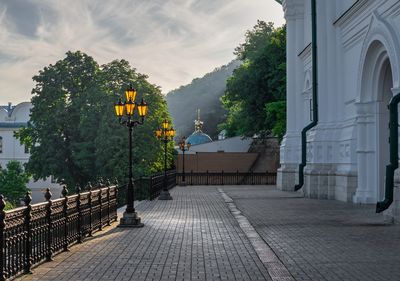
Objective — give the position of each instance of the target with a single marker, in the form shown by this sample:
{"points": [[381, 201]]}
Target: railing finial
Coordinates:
{"points": [[48, 194]]}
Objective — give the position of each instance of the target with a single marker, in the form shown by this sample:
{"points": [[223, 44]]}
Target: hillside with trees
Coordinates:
{"points": [[203, 93]]}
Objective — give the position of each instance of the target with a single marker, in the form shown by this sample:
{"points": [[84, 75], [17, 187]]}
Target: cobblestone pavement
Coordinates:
{"points": [[322, 239], [193, 237]]}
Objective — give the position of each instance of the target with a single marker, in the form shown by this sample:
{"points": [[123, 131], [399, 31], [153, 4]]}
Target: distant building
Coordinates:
{"points": [[12, 118], [227, 154]]}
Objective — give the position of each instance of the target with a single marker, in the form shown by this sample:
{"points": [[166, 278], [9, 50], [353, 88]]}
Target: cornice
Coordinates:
{"points": [[293, 9]]}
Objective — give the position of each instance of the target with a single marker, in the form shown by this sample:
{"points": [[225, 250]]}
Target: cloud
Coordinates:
{"points": [[172, 41]]}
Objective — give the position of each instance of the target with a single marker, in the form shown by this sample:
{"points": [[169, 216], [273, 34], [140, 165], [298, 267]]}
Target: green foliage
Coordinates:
{"points": [[13, 180], [9, 206], [276, 115], [203, 93], [260, 80], [74, 134]]}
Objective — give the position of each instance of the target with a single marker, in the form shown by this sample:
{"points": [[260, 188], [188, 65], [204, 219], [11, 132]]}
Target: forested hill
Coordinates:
{"points": [[203, 93]]}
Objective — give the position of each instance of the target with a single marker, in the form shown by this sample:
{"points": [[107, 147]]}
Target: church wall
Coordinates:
{"points": [[335, 145]]}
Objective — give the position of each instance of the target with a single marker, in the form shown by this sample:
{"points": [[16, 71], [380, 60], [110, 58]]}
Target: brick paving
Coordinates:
{"points": [[193, 237], [237, 233], [322, 239]]}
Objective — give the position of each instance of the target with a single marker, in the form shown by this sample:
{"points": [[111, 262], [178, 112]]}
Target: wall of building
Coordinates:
{"points": [[12, 118], [216, 161], [347, 150]]}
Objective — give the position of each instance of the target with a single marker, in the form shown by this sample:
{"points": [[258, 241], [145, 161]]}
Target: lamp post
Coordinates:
{"points": [[165, 134], [183, 146], [130, 217]]}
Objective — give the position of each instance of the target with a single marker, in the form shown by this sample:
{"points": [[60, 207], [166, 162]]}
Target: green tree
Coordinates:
{"points": [[260, 80], [74, 134], [276, 115], [13, 181]]}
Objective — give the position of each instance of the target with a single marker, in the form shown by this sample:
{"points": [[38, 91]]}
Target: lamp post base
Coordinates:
{"points": [[164, 195], [130, 220]]}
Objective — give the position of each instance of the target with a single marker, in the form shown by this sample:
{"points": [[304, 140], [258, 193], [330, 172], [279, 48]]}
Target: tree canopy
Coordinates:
{"points": [[74, 134], [256, 86]]}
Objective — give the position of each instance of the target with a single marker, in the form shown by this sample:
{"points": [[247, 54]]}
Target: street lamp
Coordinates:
{"points": [[183, 146], [165, 134], [130, 217]]}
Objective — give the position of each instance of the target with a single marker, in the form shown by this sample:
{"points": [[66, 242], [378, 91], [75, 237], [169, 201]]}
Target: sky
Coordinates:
{"points": [[172, 41]]}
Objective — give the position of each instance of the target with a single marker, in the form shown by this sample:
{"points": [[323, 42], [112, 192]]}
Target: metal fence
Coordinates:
{"points": [[34, 233], [227, 178], [157, 183], [147, 188]]}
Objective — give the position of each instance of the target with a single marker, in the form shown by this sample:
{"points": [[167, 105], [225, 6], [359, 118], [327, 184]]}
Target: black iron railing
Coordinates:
{"points": [[34, 233], [227, 178], [147, 188], [157, 183]]}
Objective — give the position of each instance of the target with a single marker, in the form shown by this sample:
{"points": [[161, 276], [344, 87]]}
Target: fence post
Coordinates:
{"points": [[100, 206], [191, 177], [222, 177], [28, 228], [89, 187], [207, 177], [64, 193], [237, 177], [49, 241], [108, 202], [252, 177], [116, 192], [78, 206], [2, 227]]}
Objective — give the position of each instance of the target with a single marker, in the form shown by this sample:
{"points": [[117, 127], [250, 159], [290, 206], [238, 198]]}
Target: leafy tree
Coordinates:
{"points": [[276, 115], [74, 134], [260, 80], [13, 181]]}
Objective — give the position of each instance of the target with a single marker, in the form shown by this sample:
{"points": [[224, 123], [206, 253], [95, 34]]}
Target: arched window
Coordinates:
{"points": [[1, 144]]}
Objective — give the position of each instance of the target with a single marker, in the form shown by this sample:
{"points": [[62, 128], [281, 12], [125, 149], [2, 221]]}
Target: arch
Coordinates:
{"points": [[378, 76], [380, 43], [21, 112]]}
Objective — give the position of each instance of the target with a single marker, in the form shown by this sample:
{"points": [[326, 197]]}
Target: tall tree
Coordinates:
{"points": [[260, 80], [74, 134]]}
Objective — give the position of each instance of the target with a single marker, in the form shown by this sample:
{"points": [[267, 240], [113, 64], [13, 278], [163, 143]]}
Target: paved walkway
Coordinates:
{"points": [[322, 239], [219, 233]]}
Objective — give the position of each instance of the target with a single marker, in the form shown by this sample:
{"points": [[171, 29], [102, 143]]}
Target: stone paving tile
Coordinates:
{"points": [[193, 237], [322, 239]]}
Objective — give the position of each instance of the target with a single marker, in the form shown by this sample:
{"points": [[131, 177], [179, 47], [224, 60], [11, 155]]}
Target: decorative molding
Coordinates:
{"points": [[357, 8], [306, 52]]}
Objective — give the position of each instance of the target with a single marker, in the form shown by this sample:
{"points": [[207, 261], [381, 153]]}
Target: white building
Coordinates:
{"points": [[12, 118], [358, 73]]}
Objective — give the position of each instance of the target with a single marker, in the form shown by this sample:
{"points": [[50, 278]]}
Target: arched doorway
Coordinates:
{"points": [[372, 124], [385, 85]]}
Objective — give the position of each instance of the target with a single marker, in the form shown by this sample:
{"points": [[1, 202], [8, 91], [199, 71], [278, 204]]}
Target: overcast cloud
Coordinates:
{"points": [[172, 41]]}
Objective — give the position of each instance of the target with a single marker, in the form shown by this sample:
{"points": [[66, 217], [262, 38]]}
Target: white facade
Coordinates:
{"points": [[358, 73], [12, 118]]}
